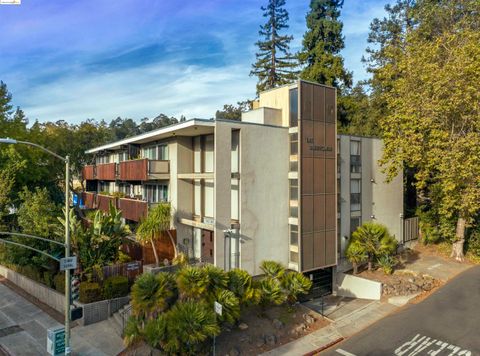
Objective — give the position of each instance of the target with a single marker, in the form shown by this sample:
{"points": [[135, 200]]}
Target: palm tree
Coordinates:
{"points": [[272, 269], [192, 282], [241, 284], [217, 278], [294, 284], [153, 294], [375, 239], [157, 222], [230, 306], [190, 324], [356, 254]]}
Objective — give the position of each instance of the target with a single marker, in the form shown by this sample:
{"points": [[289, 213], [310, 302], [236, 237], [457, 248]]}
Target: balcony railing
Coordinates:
{"points": [[89, 200], [103, 202], [88, 172], [143, 169], [133, 209], [106, 171]]}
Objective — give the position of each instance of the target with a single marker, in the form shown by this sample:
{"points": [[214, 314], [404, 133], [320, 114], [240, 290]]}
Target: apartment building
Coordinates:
{"points": [[264, 187]]}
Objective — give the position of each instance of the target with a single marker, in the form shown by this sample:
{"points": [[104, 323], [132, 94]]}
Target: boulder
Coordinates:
{"points": [[233, 352], [243, 326], [271, 340], [277, 324]]}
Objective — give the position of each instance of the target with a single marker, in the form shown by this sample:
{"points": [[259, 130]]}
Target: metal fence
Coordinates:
{"points": [[99, 311], [411, 229]]}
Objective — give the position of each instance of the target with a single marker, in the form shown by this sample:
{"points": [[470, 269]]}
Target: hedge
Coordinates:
{"points": [[59, 282], [90, 292], [115, 287]]}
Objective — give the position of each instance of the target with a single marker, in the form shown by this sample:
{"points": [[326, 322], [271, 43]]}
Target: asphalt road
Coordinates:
{"points": [[446, 323]]}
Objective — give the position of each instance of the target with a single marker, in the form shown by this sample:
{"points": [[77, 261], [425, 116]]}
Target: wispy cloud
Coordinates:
{"points": [[102, 59]]}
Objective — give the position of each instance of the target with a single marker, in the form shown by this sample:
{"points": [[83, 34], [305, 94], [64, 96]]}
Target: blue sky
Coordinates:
{"points": [[72, 60]]}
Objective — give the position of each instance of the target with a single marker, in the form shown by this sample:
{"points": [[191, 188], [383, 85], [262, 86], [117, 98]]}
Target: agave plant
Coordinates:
{"points": [[192, 282], [294, 284], [272, 269], [241, 284], [230, 306], [387, 263], [189, 325]]}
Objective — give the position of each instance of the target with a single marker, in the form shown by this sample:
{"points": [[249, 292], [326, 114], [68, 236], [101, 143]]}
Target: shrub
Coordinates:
{"points": [[48, 279], [272, 269], [271, 292], [241, 284], [356, 254], [115, 287], [123, 257], [294, 284], [90, 292], [230, 306], [473, 243], [59, 282], [217, 278], [387, 263], [30, 272], [192, 282]]}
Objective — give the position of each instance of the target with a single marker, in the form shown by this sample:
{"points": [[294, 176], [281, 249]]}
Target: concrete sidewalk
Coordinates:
{"points": [[342, 328], [23, 330]]}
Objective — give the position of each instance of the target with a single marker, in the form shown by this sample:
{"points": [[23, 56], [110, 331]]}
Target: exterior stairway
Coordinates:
{"points": [[119, 319]]}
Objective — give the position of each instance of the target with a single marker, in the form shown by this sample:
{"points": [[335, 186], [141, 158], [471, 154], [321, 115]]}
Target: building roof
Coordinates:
{"points": [[192, 127]]}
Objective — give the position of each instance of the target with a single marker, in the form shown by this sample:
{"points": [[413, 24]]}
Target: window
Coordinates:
{"points": [[208, 153], [355, 194], [158, 152], [355, 157], [294, 235], [294, 189], [235, 161], [293, 166], [155, 193], [294, 211], [294, 144], [102, 159], [294, 107], [293, 257], [354, 224]]}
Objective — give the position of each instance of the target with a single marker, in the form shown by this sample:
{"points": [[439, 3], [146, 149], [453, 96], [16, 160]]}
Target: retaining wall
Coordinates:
{"points": [[44, 294], [356, 287]]}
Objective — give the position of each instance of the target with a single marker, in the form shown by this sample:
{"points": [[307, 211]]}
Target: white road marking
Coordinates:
{"points": [[435, 266], [345, 353], [424, 345]]}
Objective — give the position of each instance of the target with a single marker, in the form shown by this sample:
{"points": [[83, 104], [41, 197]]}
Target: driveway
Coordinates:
{"points": [[23, 330], [446, 323]]}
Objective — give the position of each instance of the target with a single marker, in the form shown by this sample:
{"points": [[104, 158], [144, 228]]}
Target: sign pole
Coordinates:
{"points": [[67, 254]]}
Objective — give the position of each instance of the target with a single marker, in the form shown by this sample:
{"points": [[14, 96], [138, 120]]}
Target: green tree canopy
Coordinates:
{"points": [[275, 65]]}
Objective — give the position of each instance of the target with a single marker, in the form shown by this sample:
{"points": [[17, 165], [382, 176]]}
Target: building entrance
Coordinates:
{"points": [[207, 252]]}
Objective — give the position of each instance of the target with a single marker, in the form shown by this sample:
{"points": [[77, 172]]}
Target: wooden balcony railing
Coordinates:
{"points": [[88, 200], [88, 172], [106, 171], [133, 170], [133, 209], [142, 169], [103, 202]]}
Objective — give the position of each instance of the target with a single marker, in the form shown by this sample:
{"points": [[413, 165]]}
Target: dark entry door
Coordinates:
{"points": [[207, 246], [322, 280]]}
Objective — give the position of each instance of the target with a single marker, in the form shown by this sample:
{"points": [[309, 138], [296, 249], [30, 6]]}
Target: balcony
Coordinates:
{"points": [[103, 202], [133, 209], [88, 200], [144, 169], [106, 171], [88, 172]]}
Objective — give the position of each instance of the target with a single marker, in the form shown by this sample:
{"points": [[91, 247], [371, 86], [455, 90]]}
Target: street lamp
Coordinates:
{"points": [[66, 159]]}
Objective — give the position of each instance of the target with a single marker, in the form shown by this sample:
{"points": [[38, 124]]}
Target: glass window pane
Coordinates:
{"points": [[293, 257], [294, 107], [355, 148]]}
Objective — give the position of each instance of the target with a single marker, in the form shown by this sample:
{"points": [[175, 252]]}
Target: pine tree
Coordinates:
{"points": [[322, 44], [275, 64]]}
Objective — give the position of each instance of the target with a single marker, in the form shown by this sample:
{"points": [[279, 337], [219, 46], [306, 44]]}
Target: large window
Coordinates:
{"points": [[208, 153], [157, 152], [293, 189], [355, 194], [294, 235], [355, 157], [294, 144], [294, 107], [235, 161], [156, 193]]}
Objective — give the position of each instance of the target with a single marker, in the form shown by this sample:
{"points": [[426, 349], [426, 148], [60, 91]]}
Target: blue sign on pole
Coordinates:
{"points": [[75, 199]]}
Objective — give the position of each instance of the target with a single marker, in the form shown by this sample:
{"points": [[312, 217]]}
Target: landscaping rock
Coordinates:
{"points": [[260, 341], [277, 324], [243, 326], [246, 338], [233, 352], [271, 340], [308, 318]]}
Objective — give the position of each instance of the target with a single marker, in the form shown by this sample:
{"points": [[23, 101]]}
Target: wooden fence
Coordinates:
{"points": [[130, 270], [411, 229]]}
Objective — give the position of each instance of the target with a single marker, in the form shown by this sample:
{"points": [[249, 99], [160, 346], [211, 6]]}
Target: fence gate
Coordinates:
{"points": [[410, 229]]}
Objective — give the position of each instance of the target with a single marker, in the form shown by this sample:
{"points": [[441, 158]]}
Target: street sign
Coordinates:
{"points": [[56, 341], [68, 263], [218, 308], [133, 266]]}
